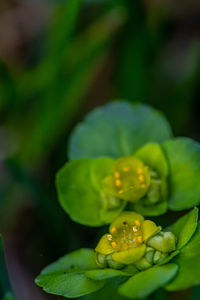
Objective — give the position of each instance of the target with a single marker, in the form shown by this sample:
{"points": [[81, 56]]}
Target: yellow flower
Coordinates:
{"points": [[130, 179], [133, 240]]}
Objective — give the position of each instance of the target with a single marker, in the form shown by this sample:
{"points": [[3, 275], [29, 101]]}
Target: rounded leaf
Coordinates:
{"points": [[188, 262], [67, 278], [183, 156], [118, 129], [153, 156], [144, 283], [185, 227], [80, 192], [106, 274], [151, 210]]}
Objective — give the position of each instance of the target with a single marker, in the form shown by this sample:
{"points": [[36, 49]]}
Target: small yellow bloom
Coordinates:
{"points": [[130, 179], [135, 241]]}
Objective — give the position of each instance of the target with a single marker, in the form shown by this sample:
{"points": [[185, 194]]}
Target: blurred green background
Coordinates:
{"points": [[58, 60]]}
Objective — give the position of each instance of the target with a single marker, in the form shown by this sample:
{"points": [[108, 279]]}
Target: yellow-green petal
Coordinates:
{"points": [[149, 229], [104, 246], [133, 194], [129, 256], [128, 217]]}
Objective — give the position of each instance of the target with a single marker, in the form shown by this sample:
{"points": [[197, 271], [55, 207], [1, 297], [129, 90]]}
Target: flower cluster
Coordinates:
{"points": [[133, 180], [133, 240], [130, 180]]}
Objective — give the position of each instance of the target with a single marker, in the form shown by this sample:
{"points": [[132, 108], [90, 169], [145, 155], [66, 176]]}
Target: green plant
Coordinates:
{"points": [[124, 155], [140, 272], [122, 135]]}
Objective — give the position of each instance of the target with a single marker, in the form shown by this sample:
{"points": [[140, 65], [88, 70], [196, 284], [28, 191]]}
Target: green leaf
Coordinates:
{"points": [[108, 292], [81, 195], [66, 277], [183, 156], [151, 210], [5, 286], [105, 274], [130, 269], [146, 282], [118, 129], [185, 227], [154, 203], [82, 258], [189, 265], [152, 155], [169, 257], [72, 284]]}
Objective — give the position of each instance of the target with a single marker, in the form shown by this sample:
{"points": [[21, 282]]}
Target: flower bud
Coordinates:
{"points": [[132, 180], [101, 260], [149, 254], [143, 264], [158, 257], [114, 264], [164, 242]]}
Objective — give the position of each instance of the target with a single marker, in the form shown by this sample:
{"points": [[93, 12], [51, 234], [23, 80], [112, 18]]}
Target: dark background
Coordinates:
{"points": [[57, 62]]}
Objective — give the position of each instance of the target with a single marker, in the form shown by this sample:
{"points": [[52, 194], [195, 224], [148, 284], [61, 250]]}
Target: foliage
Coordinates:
{"points": [[146, 172], [172, 272], [170, 167]]}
